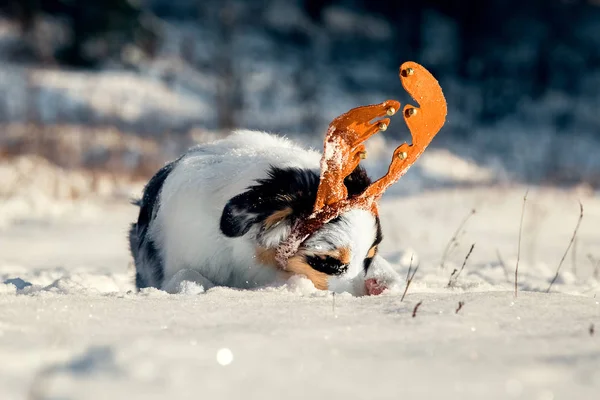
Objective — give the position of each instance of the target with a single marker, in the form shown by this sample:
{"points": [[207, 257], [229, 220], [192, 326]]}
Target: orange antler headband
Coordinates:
{"points": [[344, 148]]}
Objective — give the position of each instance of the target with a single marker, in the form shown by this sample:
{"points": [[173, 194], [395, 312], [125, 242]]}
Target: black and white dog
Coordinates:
{"points": [[216, 215]]}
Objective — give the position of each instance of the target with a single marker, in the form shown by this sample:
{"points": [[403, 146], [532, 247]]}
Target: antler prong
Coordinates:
{"points": [[424, 123], [343, 147]]}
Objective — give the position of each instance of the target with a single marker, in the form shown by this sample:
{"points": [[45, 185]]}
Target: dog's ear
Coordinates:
{"points": [[247, 210], [357, 182], [271, 205], [238, 215], [274, 203]]}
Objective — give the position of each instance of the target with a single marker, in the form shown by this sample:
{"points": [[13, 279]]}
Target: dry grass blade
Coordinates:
{"points": [[595, 265], [503, 265], [409, 277], [455, 275], [414, 313], [453, 239], [333, 302], [460, 306], [519, 248], [568, 247], [574, 257], [409, 267]]}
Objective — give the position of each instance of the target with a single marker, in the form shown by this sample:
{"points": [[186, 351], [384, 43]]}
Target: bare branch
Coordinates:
{"points": [[414, 314], [568, 247], [453, 239], [519, 248], [451, 282], [409, 276]]}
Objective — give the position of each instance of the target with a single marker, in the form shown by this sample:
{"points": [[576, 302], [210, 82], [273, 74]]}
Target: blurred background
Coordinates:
{"points": [[106, 91]]}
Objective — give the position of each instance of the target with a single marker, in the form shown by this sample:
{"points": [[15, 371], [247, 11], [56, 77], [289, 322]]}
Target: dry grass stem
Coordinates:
{"points": [[568, 247], [595, 265], [503, 265], [460, 306], [414, 313], [409, 276], [519, 246], [333, 302], [456, 274], [574, 257], [454, 239]]}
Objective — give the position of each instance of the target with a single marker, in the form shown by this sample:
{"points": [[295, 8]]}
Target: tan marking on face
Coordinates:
{"points": [[297, 265], [343, 254], [267, 258], [372, 252], [277, 217]]}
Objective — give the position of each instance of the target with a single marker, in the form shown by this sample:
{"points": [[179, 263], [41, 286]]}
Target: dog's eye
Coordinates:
{"points": [[326, 264]]}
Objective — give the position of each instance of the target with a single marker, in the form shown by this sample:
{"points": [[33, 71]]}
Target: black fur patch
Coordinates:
{"points": [[357, 182], [283, 188], [149, 201], [379, 234], [139, 281], [378, 238], [148, 263]]}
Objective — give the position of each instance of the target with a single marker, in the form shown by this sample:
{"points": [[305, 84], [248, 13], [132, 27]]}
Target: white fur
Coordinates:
{"points": [[186, 227], [356, 231]]}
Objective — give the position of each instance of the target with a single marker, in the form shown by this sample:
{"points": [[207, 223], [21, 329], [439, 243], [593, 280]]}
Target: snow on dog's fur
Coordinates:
{"points": [[217, 214]]}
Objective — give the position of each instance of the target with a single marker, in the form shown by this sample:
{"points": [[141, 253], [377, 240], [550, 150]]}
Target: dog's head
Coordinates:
{"points": [[329, 229], [336, 256]]}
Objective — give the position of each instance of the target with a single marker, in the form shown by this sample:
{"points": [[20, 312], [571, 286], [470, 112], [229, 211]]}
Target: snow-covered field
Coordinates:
{"points": [[71, 326]]}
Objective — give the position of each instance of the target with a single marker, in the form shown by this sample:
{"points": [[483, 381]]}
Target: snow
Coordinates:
{"points": [[35, 189], [282, 342], [72, 327]]}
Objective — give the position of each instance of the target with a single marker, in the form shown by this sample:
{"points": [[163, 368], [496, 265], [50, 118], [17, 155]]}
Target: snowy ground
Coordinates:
{"points": [[71, 328]]}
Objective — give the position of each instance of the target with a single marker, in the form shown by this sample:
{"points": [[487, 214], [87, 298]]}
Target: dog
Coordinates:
{"points": [[218, 213], [254, 209]]}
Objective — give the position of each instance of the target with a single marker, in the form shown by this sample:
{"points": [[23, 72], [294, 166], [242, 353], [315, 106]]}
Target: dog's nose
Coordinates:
{"points": [[374, 287]]}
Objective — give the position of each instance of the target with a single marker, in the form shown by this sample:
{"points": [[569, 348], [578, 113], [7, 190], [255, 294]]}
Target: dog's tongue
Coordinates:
{"points": [[374, 287]]}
